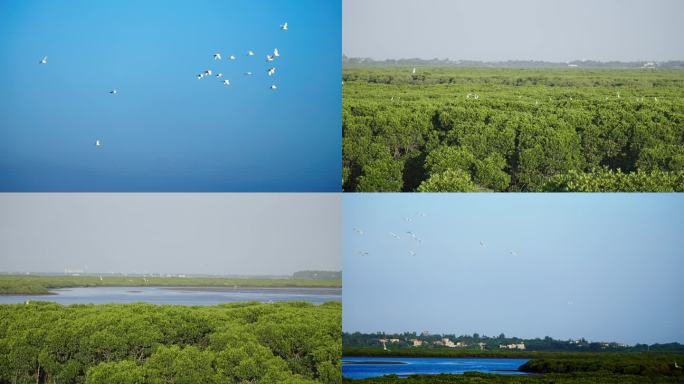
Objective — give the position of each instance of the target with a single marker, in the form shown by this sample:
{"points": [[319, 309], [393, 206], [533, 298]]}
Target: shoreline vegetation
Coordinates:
{"points": [[542, 367], [42, 284], [289, 342]]}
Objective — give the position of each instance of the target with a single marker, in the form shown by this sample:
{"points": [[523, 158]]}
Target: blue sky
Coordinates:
{"points": [[165, 130], [600, 266]]}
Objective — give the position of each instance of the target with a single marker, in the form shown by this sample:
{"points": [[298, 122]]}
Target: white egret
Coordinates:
{"points": [[284, 26]]}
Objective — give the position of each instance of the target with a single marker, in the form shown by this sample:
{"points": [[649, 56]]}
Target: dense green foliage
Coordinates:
{"points": [[455, 129], [143, 343], [40, 284]]}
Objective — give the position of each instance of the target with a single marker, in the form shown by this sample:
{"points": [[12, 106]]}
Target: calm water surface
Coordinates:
{"points": [[178, 295], [362, 367]]}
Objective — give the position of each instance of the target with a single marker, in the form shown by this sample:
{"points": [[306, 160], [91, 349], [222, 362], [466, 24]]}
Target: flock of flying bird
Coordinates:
{"points": [[217, 56], [269, 58], [409, 234]]}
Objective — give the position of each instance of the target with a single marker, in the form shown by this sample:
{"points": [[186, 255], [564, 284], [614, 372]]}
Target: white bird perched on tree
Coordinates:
{"points": [[273, 87], [269, 58], [231, 57], [217, 56], [113, 92], [43, 60], [283, 26], [276, 52], [226, 82], [250, 53], [98, 143], [271, 71]]}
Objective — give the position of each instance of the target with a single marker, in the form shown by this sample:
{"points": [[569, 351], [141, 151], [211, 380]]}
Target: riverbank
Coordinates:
{"points": [[41, 285]]}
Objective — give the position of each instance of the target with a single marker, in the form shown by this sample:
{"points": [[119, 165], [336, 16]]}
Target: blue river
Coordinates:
{"points": [[363, 367], [179, 295]]}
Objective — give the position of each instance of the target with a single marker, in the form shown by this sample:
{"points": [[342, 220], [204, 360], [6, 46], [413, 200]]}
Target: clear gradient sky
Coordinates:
{"points": [[498, 30], [215, 233], [607, 267], [165, 130]]}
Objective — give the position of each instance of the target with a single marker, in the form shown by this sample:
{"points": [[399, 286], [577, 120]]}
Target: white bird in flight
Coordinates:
{"points": [[219, 75], [226, 82], [394, 235], [250, 53], [200, 76], [248, 73], [271, 71], [513, 253], [482, 244], [276, 52], [283, 26], [43, 60], [269, 58], [273, 87], [363, 253], [217, 56], [360, 232], [207, 72], [412, 253], [98, 143], [113, 92], [231, 57]]}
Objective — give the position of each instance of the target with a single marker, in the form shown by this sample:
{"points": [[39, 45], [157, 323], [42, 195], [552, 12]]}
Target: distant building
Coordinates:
{"points": [[394, 340], [520, 346], [448, 343], [482, 346], [416, 343]]}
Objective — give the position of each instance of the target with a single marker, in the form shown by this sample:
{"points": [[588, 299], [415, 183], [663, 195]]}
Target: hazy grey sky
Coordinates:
{"points": [[604, 266], [254, 234], [491, 30]]}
